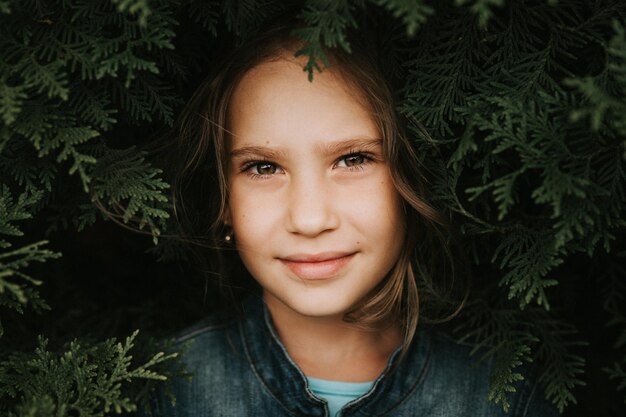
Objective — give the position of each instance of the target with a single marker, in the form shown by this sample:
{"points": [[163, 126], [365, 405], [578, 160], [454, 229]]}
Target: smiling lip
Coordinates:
{"points": [[318, 266]]}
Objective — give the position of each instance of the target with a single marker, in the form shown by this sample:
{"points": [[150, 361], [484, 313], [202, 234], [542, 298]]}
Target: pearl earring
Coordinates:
{"points": [[228, 236]]}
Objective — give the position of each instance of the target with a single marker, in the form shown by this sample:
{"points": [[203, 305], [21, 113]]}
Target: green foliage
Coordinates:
{"points": [[564, 368], [606, 92], [87, 43], [69, 70], [327, 24], [132, 189], [516, 339], [533, 180], [525, 102], [81, 380], [17, 288], [206, 14], [483, 8], [12, 263], [13, 211], [503, 376], [443, 72], [413, 13], [614, 296], [48, 75], [497, 334], [134, 7], [528, 255], [241, 17]]}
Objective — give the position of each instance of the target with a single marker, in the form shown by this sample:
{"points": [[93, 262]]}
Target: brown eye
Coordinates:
{"points": [[264, 168], [353, 160]]}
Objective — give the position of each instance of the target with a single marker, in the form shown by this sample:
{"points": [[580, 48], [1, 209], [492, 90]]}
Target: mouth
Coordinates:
{"points": [[319, 266]]}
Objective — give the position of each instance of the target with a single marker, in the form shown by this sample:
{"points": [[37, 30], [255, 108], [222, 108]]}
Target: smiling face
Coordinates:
{"points": [[317, 220]]}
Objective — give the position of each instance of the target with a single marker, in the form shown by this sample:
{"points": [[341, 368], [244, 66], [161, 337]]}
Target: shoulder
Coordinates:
{"points": [[208, 342], [215, 365], [212, 326], [465, 378]]}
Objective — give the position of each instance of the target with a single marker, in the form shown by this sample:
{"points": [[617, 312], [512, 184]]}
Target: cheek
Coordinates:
{"points": [[253, 219], [379, 206], [392, 222]]}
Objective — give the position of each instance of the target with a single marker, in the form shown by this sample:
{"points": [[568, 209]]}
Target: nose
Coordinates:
{"points": [[312, 209]]}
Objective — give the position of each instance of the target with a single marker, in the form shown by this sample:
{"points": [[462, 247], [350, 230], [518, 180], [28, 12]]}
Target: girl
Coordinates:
{"points": [[311, 191]]}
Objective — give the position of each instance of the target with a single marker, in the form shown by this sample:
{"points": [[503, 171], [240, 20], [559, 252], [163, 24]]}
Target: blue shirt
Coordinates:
{"points": [[242, 369], [337, 393]]}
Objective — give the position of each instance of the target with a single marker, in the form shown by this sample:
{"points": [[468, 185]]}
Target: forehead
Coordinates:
{"points": [[275, 100]]}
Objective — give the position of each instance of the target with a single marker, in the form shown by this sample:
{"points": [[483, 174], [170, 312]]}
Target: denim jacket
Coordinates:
{"points": [[242, 369]]}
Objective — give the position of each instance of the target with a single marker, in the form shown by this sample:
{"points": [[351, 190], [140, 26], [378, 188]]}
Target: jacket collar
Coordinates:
{"points": [[288, 385]]}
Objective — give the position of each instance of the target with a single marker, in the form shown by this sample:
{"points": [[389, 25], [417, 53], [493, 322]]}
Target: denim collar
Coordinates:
{"points": [[288, 385]]}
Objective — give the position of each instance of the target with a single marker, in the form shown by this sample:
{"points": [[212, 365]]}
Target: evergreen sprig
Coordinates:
{"points": [[241, 17], [527, 256], [135, 7], [515, 340], [127, 187], [444, 72], [605, 93], [13, 211], [327, 23], [563, 367], [15, 294], [17, 288], [206, 13], [482, 8], [499, 335], [412, 13], [83, 379]]}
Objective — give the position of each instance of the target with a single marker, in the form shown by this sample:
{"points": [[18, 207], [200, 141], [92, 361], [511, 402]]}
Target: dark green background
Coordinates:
{"points": [[532, 76]]}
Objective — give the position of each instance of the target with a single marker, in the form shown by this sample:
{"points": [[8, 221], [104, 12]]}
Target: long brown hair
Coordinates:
{"points": [[200, 189]]}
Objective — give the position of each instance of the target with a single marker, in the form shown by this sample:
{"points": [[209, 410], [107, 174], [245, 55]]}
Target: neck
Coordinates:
{"points": [[329, 348]]}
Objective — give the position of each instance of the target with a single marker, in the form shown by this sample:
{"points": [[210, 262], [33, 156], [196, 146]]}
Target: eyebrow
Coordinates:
{"points": [[266, 152], [340, 146], [354, 144]]}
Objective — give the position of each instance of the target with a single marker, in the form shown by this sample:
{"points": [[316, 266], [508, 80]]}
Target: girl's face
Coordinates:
{"points": [[316, 218]]}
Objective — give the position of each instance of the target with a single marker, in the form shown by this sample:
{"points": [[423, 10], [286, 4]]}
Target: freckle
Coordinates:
{"points": [[358, 243]]}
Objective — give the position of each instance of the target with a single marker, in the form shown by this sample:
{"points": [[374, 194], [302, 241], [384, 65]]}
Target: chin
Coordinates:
{"points": [[321, 311], [312, 307]]}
